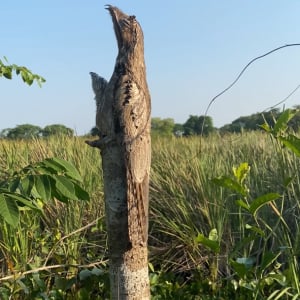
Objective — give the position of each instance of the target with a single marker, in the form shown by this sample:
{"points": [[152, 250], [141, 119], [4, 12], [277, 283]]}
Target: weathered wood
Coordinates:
{"points": [[123, 120]]}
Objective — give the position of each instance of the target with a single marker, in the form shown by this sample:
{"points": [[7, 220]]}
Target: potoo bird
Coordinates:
{"points": [[123, 117]]}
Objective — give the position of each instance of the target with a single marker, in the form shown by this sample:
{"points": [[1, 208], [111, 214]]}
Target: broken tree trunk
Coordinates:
{"points": [[123, 120]]}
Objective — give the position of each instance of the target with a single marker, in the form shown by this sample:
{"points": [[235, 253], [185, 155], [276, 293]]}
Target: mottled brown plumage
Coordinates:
{"points": [[123, 117]]}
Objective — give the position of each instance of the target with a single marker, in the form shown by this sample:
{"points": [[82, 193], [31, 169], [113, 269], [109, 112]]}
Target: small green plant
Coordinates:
{"points": [[255, 262], [36, 183], [263, 258], [24, 244], [87, 283]]}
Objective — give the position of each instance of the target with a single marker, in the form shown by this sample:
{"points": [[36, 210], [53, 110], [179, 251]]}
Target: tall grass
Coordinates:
{"points": [[29, 245], [183, 204]]}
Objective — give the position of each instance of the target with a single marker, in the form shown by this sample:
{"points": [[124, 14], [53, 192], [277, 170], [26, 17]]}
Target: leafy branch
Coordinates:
{"points": [[7, 70], [35, 184]]}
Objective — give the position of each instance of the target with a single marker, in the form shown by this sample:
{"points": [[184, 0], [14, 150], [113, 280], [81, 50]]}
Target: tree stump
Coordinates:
{"points": [[123, 119]]}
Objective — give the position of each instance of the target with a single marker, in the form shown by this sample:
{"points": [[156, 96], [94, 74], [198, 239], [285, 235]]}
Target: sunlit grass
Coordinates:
{"points": [[183, 203]]}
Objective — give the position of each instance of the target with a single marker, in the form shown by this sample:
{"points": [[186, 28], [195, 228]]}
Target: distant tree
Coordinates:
{"points": [[24, 131], [94, 131], [196, 125], [57, 129], [163, 127], [192, 126], [178, 129], [4, 132], [207, 124], [252, 122]]}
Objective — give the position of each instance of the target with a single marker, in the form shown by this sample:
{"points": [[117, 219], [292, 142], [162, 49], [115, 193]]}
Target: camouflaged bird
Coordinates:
{"points": [[123, 117]]}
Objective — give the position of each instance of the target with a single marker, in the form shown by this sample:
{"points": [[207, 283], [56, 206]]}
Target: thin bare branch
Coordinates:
{"points": [[45, 268], [243, 71]]}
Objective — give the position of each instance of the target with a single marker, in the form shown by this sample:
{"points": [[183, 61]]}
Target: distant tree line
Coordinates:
{"points": [[197, 125], [27, 131], [254, 121], [194, 125]]}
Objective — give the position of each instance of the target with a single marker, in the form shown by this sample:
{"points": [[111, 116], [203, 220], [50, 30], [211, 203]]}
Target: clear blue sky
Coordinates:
{"points": [[194, 49]]}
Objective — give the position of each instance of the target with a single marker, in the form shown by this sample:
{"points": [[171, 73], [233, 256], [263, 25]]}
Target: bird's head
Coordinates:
{"points": [[128, 31]]}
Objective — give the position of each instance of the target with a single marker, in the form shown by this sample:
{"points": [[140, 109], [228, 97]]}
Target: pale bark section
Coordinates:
{"points": [[130, 278]]}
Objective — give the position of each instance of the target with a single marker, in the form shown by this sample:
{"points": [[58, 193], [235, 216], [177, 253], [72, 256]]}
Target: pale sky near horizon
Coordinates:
{"points": [[193, 50]]}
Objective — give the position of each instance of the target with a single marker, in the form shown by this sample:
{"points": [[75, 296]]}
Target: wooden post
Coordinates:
{"points": [[123, 119]]}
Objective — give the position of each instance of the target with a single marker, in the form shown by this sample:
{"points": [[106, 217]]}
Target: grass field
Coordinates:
{"points": [[257, 254]]}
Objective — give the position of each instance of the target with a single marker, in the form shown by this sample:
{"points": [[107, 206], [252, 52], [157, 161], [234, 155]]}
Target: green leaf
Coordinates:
{"points": [[7, 73], [284, 118], [70, 169], [267, 259], [85, 274], [24, 75], [151, 267], [97, 272], [239, 268], [41, 283], [231, 184], [51, 166], [242, 244], [213, 235], [55, 193], [65, 166], [28, 169], [255, 229], [280, 278], [43, 186], [14, 184], [65, 187], [243, 204], [262, 200], [27, 184], [241, 172], [9, 210], [81, 193], [266, 127], [291, 142], [212, 245], [22, 199], [27, 76]]}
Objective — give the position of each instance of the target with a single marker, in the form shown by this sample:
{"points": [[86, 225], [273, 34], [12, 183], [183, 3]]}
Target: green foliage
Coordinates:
{"points": [[56, 129], [162, 127], [211, 242], [197, 125], [258, 248], [272, 118], [267, 278], [42, 181], [28, 131], [178, 130], [7, 70], [258, 272], [94, 131], [25, 131], [83, 286], [251, 122]]}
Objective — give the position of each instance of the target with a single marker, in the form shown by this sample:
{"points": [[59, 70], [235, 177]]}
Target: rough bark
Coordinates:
{"points": [[123, 120]]}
